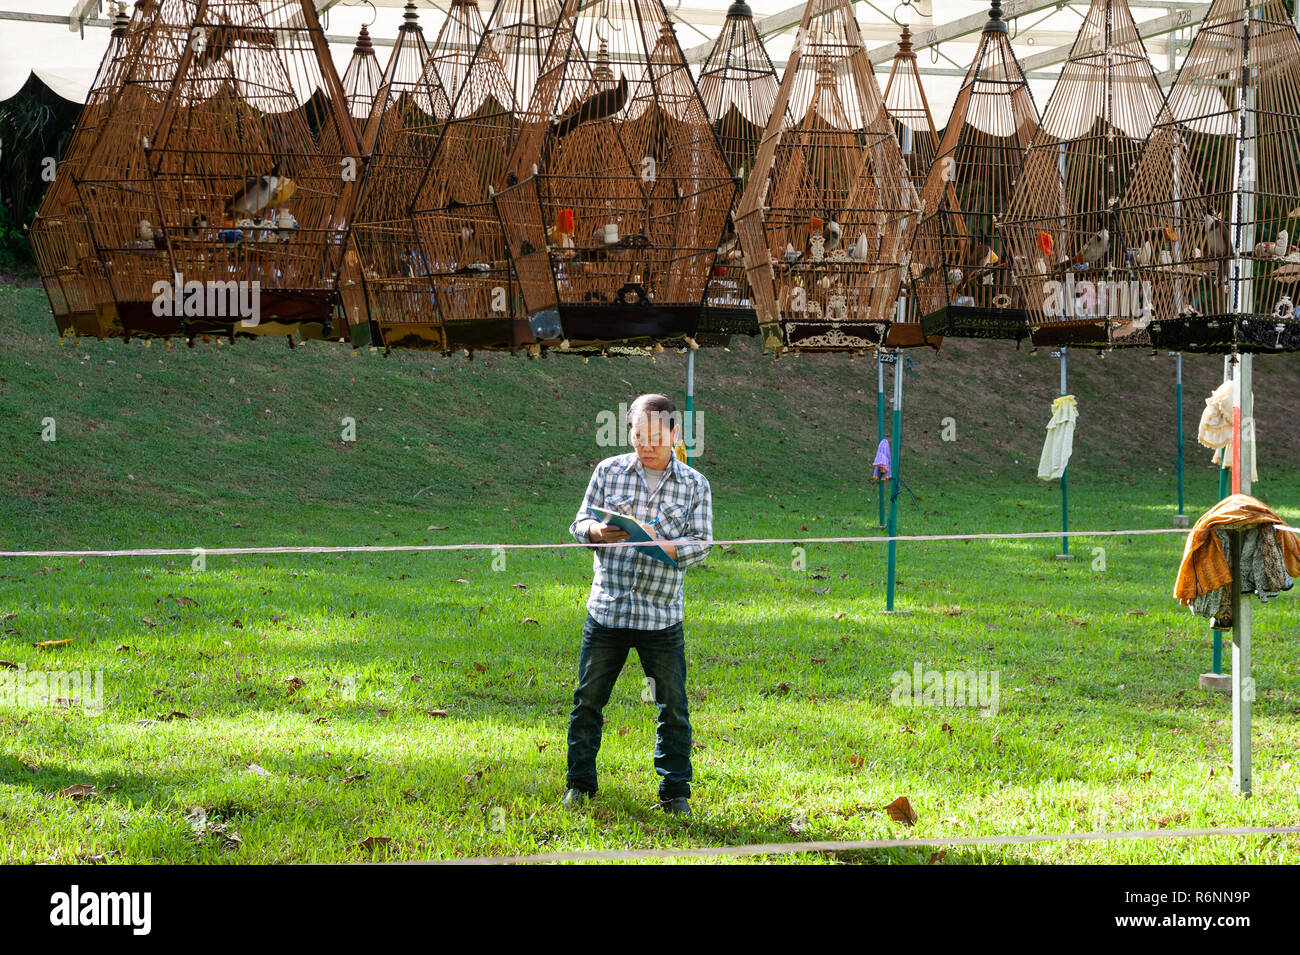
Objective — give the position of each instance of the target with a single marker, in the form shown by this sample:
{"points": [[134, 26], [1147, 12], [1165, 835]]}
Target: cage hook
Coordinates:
{"points": [[894, 16]]}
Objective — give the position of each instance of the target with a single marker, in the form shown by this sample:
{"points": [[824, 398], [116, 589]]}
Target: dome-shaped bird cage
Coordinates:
{"points": [[62, 245], [1069, 256], [621, 190], [400, 134], [255, 166], [909, 112], [827, 214], [1217, 190], [361, 80], [738, 85], [113, 184], [960, 269], [459, 232]]}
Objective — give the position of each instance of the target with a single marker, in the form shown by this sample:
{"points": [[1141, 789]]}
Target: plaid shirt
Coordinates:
{"points": [[631, 590]]}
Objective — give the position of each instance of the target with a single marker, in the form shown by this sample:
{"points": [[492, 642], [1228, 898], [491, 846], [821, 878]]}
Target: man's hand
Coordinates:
{"points": [[607, 534]]}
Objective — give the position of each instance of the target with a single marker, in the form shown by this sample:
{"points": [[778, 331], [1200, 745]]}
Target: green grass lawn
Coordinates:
{"points": [[434, 695]]}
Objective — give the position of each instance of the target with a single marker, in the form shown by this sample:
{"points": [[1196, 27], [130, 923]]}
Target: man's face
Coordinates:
{"points": [[654, 440]]}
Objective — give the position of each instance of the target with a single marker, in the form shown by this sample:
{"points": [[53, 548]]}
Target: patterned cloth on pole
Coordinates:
{"points": [[880, 466], [1060, 438]]}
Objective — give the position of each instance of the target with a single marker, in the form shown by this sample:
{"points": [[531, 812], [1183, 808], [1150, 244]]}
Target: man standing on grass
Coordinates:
{"points": [[636, 601]]}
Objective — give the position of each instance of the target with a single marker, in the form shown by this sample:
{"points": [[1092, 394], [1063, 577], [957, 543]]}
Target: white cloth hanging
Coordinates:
{"points": [[1060, 438], [1215, 430]]}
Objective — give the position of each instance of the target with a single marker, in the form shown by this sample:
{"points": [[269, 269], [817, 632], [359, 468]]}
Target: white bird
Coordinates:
{"points": [[859, 250], [146, 231], [1147, 254], [791, 255]]}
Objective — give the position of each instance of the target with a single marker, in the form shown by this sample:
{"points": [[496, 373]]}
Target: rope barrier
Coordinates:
{"points": [[412, 548], [787, 848]]}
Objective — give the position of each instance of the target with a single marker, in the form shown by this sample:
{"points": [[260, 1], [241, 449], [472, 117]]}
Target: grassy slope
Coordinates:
{"points": [[1100, 723]]}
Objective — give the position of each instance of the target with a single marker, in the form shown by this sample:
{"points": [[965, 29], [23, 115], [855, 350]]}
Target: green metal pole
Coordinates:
{"points": [[1065, 474], [690, 406], [895, 466], [1178, 388], [880, 425]]}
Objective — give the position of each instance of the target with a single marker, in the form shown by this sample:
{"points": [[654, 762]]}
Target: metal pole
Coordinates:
{"points": [[1065, 474], [1243, 685], [1178, 390], [880, 424], [690, 406], [896, 455]]}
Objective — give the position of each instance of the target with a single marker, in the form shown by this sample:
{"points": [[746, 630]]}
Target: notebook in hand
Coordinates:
{"points": [[636, 531]]}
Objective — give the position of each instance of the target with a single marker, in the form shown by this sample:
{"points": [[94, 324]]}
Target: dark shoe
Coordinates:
{"points": [[677, 806], [576, 798]]}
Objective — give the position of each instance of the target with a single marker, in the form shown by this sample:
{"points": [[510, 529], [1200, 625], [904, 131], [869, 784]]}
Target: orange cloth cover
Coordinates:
{"points": [[1204, 567]]}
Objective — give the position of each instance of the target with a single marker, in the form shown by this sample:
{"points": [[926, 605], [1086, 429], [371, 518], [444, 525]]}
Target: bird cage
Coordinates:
{"points": [[909, 112], [1068, 254], [738, 85], [827, 214], [113, 184], [62, 245], [361, 80], [960, 270], [254, 166], [400, 134], [461, 239], [1216, 192], [620, 188]]}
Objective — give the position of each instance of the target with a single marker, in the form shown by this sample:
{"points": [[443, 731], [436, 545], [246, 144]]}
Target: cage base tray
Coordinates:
{"points": [[1085, 334], [283, 307], [727, 320], [1223, 334], [832, 335], [488, 334], [910, 335], [416, 335], [968, 321], [620, 323]]}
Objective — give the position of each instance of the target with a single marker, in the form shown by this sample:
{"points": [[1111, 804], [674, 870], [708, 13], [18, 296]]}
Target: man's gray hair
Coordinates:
{"points": [[656, 406]]}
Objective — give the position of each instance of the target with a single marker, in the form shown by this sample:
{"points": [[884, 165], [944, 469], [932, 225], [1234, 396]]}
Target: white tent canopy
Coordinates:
{"points": [[65, 42]]}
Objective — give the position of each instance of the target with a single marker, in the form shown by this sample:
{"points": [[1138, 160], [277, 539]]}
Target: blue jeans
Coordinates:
{"points": [[663, 658]]}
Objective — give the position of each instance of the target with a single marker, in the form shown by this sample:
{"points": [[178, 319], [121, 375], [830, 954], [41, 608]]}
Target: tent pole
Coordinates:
{"points": [[1181, 519], [1243, 686]]}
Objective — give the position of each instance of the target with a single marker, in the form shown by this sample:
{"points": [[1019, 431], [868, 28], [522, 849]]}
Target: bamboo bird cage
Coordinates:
{"points": [[909, 112], [1069, 255], [361, 80], [400, 134], [827, 214], [1221, 173], [255, 166], [738, 85], [460, 235], [62, 245], [617, 188], [113, 184], [960, 268]]}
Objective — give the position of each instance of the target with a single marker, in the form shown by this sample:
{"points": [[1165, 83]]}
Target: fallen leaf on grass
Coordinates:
{"points": [[838, 616], [936, 857], [176, 715], [257, 770], [436, 712], [824, 590], [78, 791], [530, 620], [818, 659], [373, 842], [437, 527], [355, 778], [519, 586], [8, 665], [945, 728], [321, 719], [856, 761], [54, 643], [907, 729], [1164, 822], [472, 778], [294, 684], [121, 648], [460, 580], [481, 667], [783, 687], [183, 600], [623, 731], [9, 616], [237, 623], [900, 810], [1137, 613], [149, 621], [541, 747]]}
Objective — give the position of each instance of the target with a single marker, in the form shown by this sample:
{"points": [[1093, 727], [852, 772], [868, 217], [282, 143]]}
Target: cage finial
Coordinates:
{"points": [[996, 24], [740, 9], [410, 18]]}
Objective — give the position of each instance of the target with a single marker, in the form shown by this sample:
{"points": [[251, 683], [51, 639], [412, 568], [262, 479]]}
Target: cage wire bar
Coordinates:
{"points": [[827, 214], [960, 269], [738, 85], [1069, 255]]}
